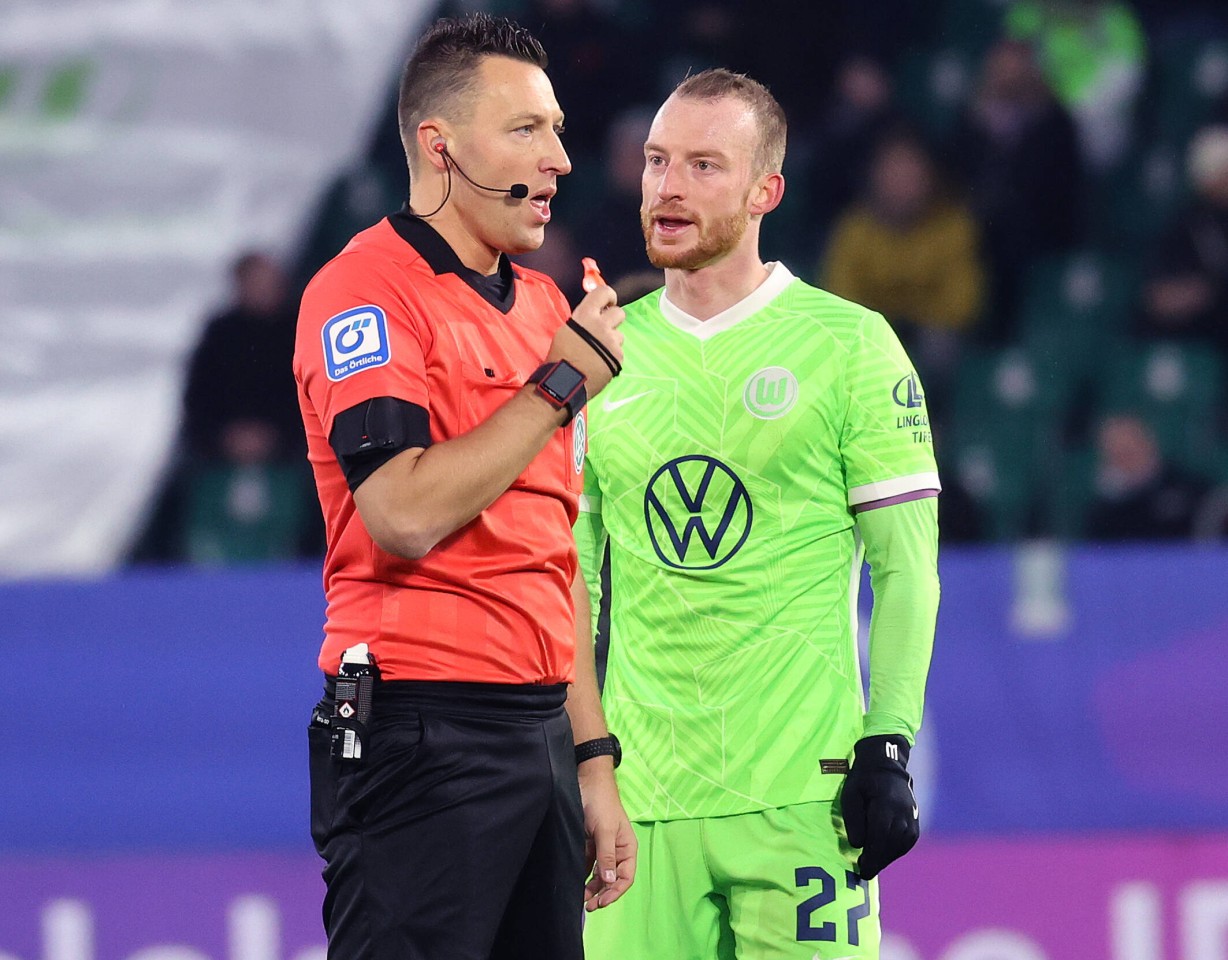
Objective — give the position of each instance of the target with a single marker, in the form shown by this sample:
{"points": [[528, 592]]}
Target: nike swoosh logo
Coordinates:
{"points": [[615, 404]]}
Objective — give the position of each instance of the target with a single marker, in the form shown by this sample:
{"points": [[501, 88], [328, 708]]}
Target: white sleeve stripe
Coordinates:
{"points": [[882, 489], [589, 504]]}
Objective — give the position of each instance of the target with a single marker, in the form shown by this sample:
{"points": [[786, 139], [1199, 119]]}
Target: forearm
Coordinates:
{"points": [[421, 496], [902, 549], [611, 841]]}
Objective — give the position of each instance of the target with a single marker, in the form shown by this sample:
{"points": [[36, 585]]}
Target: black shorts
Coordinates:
{"points": [[460, 834]]}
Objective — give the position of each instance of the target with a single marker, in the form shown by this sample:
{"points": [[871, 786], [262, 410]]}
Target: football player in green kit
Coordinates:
{"points": [[766, 439]]}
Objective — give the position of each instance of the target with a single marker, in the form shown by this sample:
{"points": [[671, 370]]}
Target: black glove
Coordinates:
{"points": [[880, 810]]}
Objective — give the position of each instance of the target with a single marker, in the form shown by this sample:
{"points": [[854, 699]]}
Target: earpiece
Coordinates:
{"points": [[439, 145]]}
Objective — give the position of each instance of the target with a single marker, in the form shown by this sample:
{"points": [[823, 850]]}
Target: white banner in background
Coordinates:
{"points": [[143, 144]]}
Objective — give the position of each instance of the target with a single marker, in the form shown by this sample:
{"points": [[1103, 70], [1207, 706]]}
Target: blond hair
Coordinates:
{"points": [[718, 83]]}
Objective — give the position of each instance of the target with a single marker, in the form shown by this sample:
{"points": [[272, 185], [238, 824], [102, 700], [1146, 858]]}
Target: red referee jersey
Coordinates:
{"points": [[396, 314]]}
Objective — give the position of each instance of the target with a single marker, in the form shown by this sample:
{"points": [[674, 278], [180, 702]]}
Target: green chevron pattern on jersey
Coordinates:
{"points": [[723, 466]]}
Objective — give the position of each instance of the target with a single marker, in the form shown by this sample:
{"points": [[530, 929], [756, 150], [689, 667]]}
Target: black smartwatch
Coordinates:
{"points": [[607, 746], [563, 387]]}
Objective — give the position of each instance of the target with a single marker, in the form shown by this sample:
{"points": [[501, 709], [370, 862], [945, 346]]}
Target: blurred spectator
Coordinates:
{"points": [[1138, 496], [240, 489], [912, 254], [1016, 149], [610, 230], [860, 114], [1094, 53], [239, 405], [1186, 293], [245, 487]]}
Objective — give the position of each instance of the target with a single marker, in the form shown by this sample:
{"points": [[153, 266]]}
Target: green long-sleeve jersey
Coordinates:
{"points": [[726, 466]]}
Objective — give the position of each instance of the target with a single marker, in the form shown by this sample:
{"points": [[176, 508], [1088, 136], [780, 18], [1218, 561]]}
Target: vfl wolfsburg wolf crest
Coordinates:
{"points": [[770, 393]]}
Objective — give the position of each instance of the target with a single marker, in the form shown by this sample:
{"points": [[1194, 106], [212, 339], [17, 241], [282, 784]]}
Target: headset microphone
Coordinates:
{"points": [[517, 191]]}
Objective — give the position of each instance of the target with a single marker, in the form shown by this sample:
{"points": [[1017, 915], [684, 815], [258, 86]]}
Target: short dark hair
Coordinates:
{"points": [[442, 66], [718, 83]]}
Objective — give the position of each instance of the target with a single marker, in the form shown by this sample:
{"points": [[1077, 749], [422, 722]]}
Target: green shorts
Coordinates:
{"points": [[770, 885]]}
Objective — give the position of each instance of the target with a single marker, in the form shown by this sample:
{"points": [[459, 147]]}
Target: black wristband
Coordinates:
{"points": [[607, 746], [599, 348]]}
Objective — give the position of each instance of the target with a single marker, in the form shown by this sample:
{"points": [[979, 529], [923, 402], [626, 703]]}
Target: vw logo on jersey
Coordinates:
{"points": [[770, 393], [579, 441], [355, 341], [907, 392], [698, 513]]}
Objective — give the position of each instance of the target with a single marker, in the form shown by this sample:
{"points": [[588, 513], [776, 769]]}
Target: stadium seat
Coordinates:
{"points": [[933, 85], [997, 483], [1178, 386], [244, 514], [1005, 436], [1071, 495], [1072, 304], [1086, 292], [1135, 201]]}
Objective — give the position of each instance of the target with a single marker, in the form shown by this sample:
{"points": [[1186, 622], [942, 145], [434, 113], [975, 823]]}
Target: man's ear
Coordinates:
{"points": [[432, 134], [766, 195]]}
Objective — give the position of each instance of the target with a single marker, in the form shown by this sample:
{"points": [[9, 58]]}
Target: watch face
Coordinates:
{"points": [[562, 382]]}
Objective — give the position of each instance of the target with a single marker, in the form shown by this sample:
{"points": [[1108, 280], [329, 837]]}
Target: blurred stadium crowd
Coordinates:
{"points": [[1034, 192]]}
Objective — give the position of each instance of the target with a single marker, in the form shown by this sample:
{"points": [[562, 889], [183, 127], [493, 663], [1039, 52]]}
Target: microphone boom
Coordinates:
{"points": [[517, 191]]}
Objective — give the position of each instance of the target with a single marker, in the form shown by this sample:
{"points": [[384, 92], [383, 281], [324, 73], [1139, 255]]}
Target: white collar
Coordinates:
{"points": [[778, 278]]}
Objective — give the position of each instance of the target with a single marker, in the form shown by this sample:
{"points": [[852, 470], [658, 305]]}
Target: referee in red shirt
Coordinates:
{"points": [[442, 391]]}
